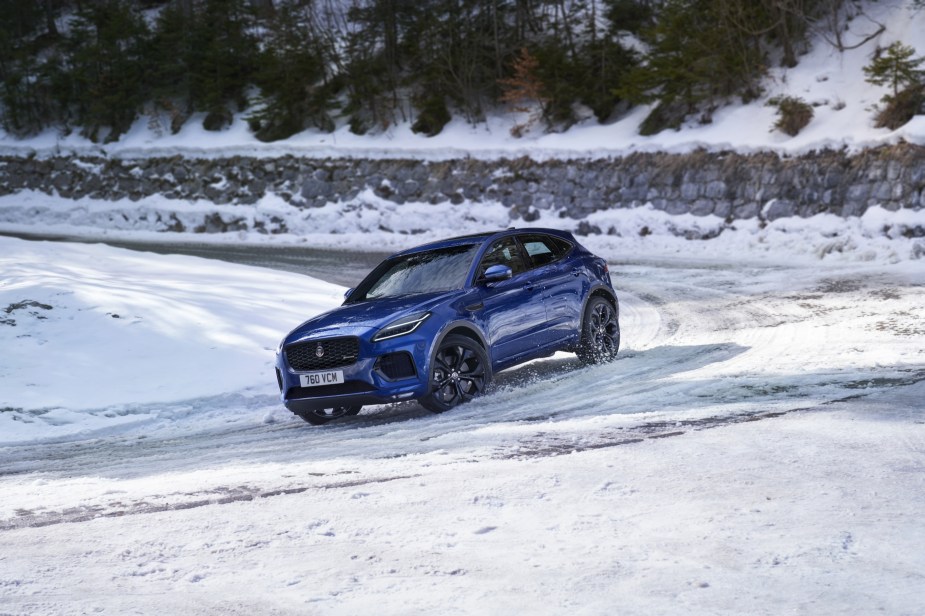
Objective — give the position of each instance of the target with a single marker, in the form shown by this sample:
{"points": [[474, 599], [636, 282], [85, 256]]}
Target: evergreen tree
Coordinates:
{"points": [[895, 67], [629, 15], [291, 76], [222, 60], [457, 52], [104, 63], [375, 59], [171, 54], [384, 60], [604, 66], [25, 106], [697, 59]]}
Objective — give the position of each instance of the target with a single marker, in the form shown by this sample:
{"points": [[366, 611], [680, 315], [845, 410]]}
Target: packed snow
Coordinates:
{"points": [[758, 447]]}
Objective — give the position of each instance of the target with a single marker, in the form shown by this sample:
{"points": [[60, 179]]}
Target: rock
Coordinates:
{"points": [[584, 228], [702, 207], [315, 188], [746, 210], [732, 186], [779, 208]]}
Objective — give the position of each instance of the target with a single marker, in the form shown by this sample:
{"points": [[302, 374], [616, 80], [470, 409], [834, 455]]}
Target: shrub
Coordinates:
{"points": [[217, 118], [358, 126], [899, 109], [793, 114], [432, 116], [663, 115]]}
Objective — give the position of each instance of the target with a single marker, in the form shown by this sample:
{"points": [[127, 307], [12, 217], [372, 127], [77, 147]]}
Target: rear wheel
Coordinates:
{"points": [[318, 417], [461, 370], [600, 332]]}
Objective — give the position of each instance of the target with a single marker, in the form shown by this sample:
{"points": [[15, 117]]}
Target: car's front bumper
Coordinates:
{"points": [[372, 379]]}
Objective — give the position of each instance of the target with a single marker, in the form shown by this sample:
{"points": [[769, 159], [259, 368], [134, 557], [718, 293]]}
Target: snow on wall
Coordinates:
{"points": [[727, 184]]}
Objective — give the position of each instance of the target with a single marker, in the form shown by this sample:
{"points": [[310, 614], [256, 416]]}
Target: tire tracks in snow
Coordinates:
{"points": [[543, 444], [174, 502], [704, 348]]}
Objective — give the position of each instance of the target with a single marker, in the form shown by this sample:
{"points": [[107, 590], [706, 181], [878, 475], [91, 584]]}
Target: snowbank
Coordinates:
{"points": [[86, 330], [368, 220]]}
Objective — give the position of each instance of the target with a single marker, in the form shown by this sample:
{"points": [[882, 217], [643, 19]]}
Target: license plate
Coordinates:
{"points": [[314, 379]]}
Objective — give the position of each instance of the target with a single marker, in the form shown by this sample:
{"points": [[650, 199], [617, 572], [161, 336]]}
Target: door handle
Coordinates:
{"points": [[529, 286]]}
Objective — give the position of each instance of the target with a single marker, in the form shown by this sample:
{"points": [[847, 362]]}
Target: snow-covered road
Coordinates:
{"points": [[758, 447]]}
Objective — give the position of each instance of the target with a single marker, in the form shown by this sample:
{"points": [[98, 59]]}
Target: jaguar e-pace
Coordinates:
{"points": [[435, 322]]}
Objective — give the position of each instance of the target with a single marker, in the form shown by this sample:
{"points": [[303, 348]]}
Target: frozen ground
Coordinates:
{"points": [[758, 447]]}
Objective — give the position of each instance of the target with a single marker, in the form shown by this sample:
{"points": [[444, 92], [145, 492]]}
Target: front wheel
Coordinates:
{"points": [[600, 332], [319, 417], [461, 370]]}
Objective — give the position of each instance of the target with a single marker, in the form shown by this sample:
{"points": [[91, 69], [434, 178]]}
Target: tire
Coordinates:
{"points": [[600, 332], [320, 417], [460, 371]]}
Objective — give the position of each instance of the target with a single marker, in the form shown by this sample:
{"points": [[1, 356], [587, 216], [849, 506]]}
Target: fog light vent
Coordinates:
{"points": [[396, 366]]}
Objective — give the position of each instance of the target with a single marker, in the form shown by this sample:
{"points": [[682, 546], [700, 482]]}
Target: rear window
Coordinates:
{"points": [[544, 249]]}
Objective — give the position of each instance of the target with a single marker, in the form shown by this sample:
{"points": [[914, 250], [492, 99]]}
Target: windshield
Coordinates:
{"points": [[423, 272]]}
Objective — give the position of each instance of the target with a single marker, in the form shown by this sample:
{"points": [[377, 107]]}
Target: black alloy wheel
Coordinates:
{"points": [[319, 417], [600, 334], [461, 370]]}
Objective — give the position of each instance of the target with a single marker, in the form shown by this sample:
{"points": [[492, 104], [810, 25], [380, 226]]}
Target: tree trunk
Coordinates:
{"points": [[49, 10]]}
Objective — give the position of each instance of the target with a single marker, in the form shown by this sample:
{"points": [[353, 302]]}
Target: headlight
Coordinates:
{"points": [[401, 327]]}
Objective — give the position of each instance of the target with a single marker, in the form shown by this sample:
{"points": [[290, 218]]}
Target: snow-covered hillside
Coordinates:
{"points": [[832, 81]]}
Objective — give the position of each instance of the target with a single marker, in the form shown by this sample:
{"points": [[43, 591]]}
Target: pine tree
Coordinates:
{"points": [[698, 58], [25, 106], [171, 53], [895, 67], [291, 76], [222, 60], [104, 60]]}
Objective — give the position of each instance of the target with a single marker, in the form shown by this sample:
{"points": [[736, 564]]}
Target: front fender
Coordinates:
{"points": [[454, 327]]}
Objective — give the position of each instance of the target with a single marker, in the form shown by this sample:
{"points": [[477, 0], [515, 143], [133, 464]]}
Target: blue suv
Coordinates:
{"points": [[434, 323]]}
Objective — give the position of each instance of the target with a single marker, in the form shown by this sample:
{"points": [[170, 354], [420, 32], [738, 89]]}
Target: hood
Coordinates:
{"points": [[362, 317]]}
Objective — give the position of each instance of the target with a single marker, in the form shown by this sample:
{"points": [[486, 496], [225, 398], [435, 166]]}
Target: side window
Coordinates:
{"points": [[544, 249], [503, 252]]}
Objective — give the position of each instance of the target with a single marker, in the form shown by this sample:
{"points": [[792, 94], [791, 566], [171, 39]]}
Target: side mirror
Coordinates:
{"points": [[496, 273], [349, 291]]}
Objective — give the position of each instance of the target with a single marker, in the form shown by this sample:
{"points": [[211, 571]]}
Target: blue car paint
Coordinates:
{"points": [[532, 314]]}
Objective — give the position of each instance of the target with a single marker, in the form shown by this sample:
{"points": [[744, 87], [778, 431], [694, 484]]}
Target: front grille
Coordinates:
{"points": [[336, 353], [396, 366], [350, 387]]}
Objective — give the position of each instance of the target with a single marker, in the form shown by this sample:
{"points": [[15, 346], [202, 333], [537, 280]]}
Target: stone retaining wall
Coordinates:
{"points": [[729, 185]]}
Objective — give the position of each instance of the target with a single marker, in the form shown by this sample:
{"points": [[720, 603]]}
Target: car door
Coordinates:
{"points": [[513, 313], [561, 283]]}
